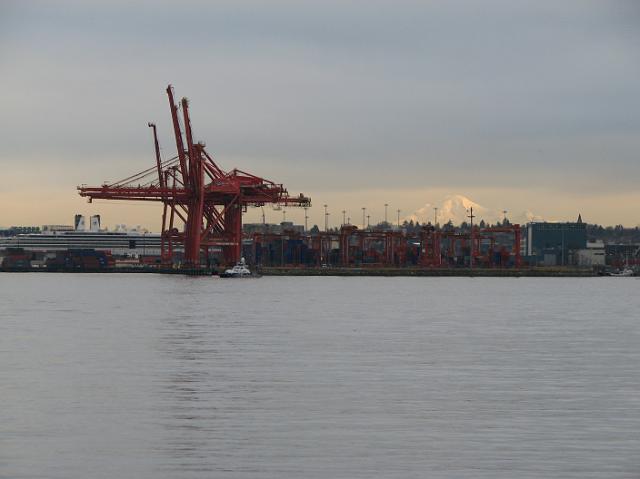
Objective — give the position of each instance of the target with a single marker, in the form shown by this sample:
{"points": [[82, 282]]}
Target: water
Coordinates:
{"points": [[149, 376]]}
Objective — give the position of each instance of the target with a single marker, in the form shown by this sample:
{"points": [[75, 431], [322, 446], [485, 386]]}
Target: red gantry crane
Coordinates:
{"points": [[195, 191]]}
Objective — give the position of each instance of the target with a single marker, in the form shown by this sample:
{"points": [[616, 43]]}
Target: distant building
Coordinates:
{"points": [[555, 244], [620, 255], [592, 255]]}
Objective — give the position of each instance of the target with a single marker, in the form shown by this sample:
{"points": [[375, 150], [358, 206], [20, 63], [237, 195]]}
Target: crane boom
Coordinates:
{"points": [[194, 190]]}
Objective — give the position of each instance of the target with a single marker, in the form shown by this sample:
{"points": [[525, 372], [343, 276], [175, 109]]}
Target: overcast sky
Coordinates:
{"points": [[519, 105]]}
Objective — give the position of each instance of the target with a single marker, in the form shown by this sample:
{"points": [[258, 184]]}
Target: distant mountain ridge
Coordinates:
{"points": [[455, 208]]}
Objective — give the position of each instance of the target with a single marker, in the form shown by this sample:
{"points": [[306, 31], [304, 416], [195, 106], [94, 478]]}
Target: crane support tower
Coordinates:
{"points": [[194, 190]]}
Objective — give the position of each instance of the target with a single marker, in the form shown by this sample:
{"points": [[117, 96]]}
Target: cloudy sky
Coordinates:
{"points": [[519, 105]]}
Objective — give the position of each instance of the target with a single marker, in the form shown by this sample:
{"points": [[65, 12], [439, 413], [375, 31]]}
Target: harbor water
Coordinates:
{"points": [[152, 376]]}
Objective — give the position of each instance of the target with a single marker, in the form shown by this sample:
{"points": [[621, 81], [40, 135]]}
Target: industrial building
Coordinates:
{"points": [[555, 244], [594, 255], [621, 255]]}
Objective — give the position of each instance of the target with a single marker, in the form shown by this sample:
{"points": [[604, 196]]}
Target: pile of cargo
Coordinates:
{"points": [[81, 260], [16, 259]]}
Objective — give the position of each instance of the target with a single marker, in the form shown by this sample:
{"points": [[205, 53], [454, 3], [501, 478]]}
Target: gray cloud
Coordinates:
{"points": [[333, 95]]}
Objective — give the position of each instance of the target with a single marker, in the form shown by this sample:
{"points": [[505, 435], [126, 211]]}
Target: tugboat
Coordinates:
{"points": [[240, 270]]}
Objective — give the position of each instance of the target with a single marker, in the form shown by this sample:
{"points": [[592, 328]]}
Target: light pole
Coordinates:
{"points": [[398, 218], [471, 216], [344, 221], [305, 218], [386, 206], [264, 224], [435, 216], [363, 215], [326, 219]]}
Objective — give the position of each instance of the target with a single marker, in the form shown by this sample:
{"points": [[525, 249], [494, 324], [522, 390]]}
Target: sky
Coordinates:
{"points": [[521, 105]]}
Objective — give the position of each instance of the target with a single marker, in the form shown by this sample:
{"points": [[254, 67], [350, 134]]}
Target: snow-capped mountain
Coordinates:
{"points": [[456, 208]]}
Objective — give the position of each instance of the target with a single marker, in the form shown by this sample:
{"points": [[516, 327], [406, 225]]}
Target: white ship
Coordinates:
{"points": [[122, 241], [240, 270]]}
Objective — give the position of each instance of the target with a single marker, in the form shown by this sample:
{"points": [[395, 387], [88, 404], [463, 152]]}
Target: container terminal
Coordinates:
{"points": [[202, 231], [286, 248]]}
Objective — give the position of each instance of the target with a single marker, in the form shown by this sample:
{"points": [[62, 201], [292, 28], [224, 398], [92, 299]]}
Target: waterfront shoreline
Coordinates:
{"points": [[420, 272], [350, 272]]}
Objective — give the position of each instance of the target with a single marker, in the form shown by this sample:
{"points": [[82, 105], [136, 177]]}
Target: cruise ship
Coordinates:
{"points": [[59, 237]]}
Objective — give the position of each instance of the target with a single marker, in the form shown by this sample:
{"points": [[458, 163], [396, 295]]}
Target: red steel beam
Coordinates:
{"points": [[193, 200]]}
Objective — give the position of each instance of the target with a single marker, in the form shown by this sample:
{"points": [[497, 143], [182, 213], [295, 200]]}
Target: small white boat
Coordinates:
{"points": [[625, 272], [240, 270]]}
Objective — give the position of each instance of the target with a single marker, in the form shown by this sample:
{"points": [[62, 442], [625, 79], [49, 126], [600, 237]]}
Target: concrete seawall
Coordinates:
{"points": [[479, 272]]}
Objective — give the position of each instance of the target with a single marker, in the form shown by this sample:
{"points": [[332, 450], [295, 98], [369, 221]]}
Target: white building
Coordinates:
{"points": [[592, 255]]}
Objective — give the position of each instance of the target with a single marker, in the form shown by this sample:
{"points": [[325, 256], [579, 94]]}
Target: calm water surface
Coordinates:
{"points": [[148, 376]]}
